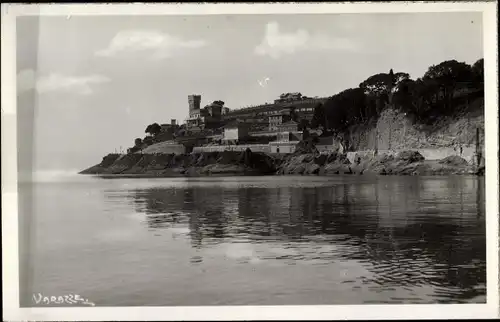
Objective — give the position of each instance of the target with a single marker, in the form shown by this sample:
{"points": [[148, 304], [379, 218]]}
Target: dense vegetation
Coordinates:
{"points": [[153, 129], [424, 99]]}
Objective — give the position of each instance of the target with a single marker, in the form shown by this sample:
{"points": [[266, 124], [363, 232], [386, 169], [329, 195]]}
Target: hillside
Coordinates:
{"points": [[162, 164], [397, 131], [405, 148], [390, 123]]}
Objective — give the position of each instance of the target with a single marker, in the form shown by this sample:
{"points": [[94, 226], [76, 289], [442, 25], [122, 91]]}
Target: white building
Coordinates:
{"points": [[234, 132], [328, 144]]}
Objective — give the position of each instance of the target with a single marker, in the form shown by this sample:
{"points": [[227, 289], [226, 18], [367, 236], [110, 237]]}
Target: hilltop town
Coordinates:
{"points": [[273, 128], [434, 124]]}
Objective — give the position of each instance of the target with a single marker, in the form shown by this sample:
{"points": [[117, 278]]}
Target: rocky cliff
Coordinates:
{"points": [[395, 130], [256, 163], [402, 163], [194, 164]]}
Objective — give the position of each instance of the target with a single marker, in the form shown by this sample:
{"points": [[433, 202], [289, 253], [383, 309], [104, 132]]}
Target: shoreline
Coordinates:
{"points": [[247, 163], [165, 176]]}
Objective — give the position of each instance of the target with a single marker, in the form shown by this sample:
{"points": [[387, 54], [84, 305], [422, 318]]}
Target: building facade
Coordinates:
{"points": [[279, 118], [304, 108], [209, 117], [235, 131], [289, 126], [169, 127], [265, 117], [194, 104], [328, 144], [283, 137], [214, 111], [289, 97], [194, 116], [283, 147], [295, 136]]}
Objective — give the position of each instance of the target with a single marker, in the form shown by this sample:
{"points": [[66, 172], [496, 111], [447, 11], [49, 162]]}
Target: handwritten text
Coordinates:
{"points": [[62, 299]]}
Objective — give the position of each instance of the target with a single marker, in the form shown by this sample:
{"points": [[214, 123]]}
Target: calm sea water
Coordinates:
{"points": [[255, 240]]}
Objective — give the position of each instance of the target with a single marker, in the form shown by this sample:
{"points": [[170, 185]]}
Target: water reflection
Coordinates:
{"points": [[410, 233]]}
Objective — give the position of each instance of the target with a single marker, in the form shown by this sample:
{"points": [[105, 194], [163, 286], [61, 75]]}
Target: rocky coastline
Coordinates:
{"points": [[247, 163]]}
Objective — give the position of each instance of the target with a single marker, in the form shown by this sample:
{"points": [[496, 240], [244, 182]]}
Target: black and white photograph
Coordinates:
{"points": [[251, 159]]}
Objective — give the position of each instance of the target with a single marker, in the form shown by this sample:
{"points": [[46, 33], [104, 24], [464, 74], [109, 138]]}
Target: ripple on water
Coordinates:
{"points": [[230, 240]]}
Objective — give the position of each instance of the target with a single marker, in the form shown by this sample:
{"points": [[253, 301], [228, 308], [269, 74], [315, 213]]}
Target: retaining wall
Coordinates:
{"points": [[283, 147], [220, 148], [468, 153], [273, 147], [164, 147]]}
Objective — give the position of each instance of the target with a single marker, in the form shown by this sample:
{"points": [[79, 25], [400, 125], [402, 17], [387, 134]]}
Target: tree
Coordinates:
{"points": [[343, 110], [137, 142], [148, 140], [413, 97], [220, 103], [373, 106], [382, 83], [305, 133], [319, 117], [181, 132], [346, 108], [478, 73], [153, 129], [293, 114], [403, 93], [303, 124], [420, 98], [449, 76]]}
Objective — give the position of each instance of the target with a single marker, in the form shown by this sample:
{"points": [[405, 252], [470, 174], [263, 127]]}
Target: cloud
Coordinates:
{"points": [[79, 85], [27, 80], [161, 45], [263, 82], [277, 44]]}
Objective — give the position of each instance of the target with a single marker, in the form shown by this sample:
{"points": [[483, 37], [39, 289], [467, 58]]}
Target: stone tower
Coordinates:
{"points": [[194, 104]]}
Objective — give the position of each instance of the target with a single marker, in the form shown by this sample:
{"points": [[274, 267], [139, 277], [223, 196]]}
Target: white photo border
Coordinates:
{"points": [[10, 277]]}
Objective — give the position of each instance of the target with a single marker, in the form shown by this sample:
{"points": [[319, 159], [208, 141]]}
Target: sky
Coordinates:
{"points": [[88, 85]]}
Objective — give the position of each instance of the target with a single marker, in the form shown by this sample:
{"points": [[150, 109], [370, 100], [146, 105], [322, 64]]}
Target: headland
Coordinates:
{"points": [[388, 125]]}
